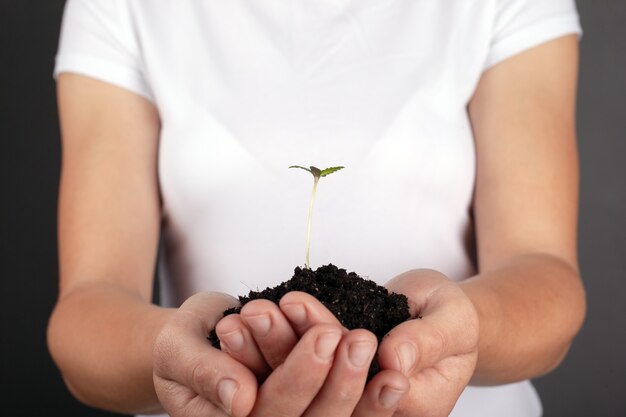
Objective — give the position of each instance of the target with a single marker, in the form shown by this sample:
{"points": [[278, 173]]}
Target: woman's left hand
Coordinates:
{"points": [[437, 353]]}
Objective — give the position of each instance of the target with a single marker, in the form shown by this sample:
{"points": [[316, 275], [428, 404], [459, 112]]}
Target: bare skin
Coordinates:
{"points": [[103, 327], [529, 293], [118, 351]]}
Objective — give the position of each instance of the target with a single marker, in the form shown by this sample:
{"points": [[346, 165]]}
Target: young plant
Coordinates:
{"points": [[317, 174]]}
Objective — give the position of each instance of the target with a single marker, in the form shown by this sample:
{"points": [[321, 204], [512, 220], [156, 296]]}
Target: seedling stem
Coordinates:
{"points": [[317, 174]]}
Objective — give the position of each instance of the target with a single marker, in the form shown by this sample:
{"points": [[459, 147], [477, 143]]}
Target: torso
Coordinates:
{"points": [[246, 89]]}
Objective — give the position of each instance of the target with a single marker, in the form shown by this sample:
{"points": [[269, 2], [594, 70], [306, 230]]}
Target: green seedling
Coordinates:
{"points": [[317, 174]]}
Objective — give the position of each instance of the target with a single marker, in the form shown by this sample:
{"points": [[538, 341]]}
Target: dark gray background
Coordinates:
{"points": [[590, 382]]}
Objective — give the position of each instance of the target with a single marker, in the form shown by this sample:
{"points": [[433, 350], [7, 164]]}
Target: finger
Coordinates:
{"points": [[270, 329], [179, 400], [345, 383], [236, 340], [207, 372], [382, 395], [184, 357], [305, 311], [433, 391], [292, 386]]}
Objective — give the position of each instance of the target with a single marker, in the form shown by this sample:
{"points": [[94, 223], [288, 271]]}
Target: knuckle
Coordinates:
{"points": [[439, 342], [348, 395], [201, 377], [325, 327], [431, 347]]}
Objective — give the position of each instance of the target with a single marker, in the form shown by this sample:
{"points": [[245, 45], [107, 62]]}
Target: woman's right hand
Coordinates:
{"points": [[191, 378], [317, 376]]}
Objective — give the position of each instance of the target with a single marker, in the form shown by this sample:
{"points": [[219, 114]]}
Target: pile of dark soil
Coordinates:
{"points": [[358, 303]]}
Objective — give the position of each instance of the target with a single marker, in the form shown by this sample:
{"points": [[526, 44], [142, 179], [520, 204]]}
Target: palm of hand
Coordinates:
{"points": [[437, 353]]}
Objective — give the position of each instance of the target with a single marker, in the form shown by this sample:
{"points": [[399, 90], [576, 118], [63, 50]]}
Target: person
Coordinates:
{"points": [[455, 121]]}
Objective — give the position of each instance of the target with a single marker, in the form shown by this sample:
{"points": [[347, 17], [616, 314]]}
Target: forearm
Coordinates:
{"points": [[101, 338], [530, 309]]}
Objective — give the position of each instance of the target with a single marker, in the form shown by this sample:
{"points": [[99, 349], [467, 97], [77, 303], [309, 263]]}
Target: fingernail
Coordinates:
{"points": [[296, 313], [260, 324], [326, 344], [406, 355], [226, 390], [233, 341], [390, 397], [360, 353]]}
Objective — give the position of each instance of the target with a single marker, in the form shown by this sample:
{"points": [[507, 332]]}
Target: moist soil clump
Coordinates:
{"points": [[358, 303]]}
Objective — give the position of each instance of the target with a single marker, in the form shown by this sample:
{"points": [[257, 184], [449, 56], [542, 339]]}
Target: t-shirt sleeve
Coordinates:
{"points": [[522, 24], [98, 40]]}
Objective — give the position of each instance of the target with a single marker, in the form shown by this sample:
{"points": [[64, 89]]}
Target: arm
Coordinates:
{"points": [[528, 294], [101, 331], [115, 349]]}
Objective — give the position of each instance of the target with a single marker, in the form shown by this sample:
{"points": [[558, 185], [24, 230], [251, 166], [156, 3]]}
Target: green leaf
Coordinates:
{"points": [[316, 172], [329, 171], [304, 168]]}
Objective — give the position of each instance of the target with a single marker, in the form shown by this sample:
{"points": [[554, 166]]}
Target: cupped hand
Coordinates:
{"points": [[191, 377], [264, 337], [438, 351]]}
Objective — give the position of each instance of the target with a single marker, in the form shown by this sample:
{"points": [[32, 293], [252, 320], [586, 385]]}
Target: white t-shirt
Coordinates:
{"points": [[246, 88]]}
